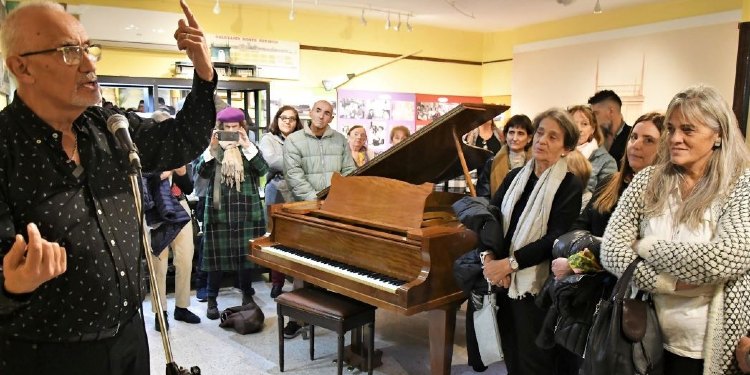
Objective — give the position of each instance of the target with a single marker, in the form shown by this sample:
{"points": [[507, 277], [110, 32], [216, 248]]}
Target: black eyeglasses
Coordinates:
{"points": [[72, 54], [291, 118]]}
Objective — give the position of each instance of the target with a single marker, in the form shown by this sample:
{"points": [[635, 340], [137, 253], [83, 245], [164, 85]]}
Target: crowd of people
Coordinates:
{"points": [[678, 199], [673, 189]]}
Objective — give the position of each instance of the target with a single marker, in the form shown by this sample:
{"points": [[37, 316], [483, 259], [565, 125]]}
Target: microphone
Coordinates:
{"points": [[118, 126]]}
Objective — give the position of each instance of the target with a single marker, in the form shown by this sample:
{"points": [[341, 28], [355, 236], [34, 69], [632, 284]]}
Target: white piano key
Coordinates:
{"points": [[345, 273]]}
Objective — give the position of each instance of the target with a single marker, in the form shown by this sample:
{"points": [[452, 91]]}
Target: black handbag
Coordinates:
{"points": [[467, 270], [625, 337], [248, 318]]}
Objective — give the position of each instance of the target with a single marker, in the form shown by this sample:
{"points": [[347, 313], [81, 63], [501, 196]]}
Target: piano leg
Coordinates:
{"points": [[442, 329], [356, 354]]}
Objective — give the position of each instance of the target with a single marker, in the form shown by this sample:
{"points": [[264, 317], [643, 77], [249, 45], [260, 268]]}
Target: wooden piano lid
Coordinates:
{"points": [[376, 201], [426, 157], [430, 154]]}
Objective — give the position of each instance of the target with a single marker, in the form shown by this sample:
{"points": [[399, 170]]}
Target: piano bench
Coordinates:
{"points": [[328, 310]]}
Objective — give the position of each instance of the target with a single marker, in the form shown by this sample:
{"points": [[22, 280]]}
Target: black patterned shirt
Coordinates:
{"points": [[88, 209]]}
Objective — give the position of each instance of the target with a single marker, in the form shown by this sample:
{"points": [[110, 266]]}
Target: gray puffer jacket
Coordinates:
{"points": [[602, 165], [309, 161]]}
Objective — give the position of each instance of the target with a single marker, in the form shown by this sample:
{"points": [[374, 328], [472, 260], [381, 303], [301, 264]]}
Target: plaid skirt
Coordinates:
{"points": [[229, 230]]}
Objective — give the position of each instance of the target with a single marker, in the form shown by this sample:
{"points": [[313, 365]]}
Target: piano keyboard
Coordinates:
{"points": [[350, 272]]}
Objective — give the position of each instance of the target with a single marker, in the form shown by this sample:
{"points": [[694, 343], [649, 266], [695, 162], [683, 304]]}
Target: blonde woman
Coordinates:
{"points": [[399, 134], [687, 216], [581, 168], [590, 144]]}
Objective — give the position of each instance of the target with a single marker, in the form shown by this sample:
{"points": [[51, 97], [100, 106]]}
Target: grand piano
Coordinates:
{"points": [[382, 235]]}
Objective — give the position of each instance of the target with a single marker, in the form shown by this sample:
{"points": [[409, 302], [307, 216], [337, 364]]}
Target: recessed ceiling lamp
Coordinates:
{"points": [[217, 8], [597, 7]]}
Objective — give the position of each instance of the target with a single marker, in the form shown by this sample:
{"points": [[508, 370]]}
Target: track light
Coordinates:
{"points": [[597, 7], [217, 8], [291, 12], [408, 25], [388, 21], [362, 19], [398, 25]]}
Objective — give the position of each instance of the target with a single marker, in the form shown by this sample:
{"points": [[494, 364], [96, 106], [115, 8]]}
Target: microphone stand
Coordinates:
{"points": [[135, 182]]}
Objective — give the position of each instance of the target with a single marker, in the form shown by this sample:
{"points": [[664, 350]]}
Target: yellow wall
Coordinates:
{"points": [[322, 30], [499, 45], [336, 31]]}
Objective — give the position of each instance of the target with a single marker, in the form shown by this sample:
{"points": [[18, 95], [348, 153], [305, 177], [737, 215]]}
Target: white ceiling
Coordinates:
{"points": [[475, 15]]}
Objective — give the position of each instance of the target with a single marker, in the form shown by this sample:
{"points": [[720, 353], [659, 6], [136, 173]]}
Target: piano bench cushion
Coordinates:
{"points": [[323, 303]]}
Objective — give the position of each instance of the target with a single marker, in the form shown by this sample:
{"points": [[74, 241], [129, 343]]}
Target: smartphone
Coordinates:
{"points": [[224, 135]]}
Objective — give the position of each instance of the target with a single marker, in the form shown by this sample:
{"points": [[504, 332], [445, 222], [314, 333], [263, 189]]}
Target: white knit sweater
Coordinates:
{"points": [[725, 260]]}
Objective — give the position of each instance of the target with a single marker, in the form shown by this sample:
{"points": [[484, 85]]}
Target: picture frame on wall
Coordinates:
{"points": [[378, 112]]}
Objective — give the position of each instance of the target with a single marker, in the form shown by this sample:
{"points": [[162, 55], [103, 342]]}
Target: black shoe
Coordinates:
{"points": [[213, 309], [276, 290], [184, 315], [479, 368], [157, 327], [292, 330]]}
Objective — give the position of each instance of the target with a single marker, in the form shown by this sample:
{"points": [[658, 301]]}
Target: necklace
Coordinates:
{"points": [[75, 147]]}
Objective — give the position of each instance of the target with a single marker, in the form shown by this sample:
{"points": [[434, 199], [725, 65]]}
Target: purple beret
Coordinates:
{"points": [[230, 114]]}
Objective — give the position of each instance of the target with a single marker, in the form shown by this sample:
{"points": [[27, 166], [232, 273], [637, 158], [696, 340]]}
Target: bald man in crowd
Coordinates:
{"points": [[69, 237], [311, 156]]}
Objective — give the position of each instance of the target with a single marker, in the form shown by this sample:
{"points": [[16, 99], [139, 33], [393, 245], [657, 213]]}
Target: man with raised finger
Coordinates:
{"points": [[70, 298]]}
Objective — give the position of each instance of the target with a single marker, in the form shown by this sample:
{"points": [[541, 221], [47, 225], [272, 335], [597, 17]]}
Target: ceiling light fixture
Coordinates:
{"points": [[217, 8], [291, 12], [398, 25], [597, 7], [408, 25], [362, 19], [388, 21]]}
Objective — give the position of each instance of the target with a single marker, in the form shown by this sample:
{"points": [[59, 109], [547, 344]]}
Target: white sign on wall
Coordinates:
{"points": [[272, 58]]}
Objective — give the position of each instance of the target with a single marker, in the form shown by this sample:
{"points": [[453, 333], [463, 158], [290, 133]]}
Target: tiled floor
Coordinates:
{"points": [[403, 340]]}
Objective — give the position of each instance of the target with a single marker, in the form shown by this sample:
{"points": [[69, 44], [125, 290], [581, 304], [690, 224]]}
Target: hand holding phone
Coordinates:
{"points": [[224, 135]]}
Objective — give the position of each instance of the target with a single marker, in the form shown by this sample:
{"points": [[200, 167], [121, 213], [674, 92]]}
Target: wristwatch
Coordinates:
{"points": [[513, 264]]}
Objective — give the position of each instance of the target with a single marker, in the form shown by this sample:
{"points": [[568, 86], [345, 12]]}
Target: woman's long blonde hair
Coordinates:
{"points": [[699, 105]]}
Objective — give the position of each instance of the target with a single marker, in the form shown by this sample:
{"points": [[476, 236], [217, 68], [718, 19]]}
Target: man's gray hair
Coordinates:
{"points": [[10, 35]]}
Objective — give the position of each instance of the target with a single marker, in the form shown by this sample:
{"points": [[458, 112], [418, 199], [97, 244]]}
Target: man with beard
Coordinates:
{"points": [[70, 301], [607, 108]]}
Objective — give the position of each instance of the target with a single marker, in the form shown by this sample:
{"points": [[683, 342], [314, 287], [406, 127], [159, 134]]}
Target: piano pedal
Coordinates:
{"points": [[305, 332]]}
